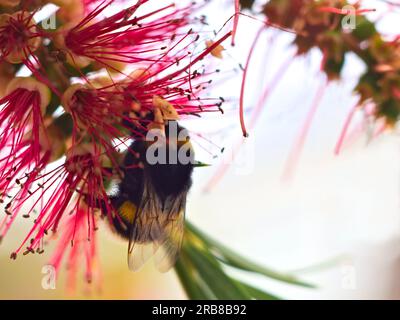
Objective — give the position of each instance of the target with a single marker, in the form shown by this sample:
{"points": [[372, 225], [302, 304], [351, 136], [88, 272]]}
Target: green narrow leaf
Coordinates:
{"points": [[256, 293], [189, 282], [212, 274], [199, 164], [321, 266]]}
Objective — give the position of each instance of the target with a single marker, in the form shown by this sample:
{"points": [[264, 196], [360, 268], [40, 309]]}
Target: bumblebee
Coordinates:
{"points": [[151, 198]]}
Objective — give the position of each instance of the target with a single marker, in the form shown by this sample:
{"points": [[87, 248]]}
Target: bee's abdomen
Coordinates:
{"points": [[123, 217]]}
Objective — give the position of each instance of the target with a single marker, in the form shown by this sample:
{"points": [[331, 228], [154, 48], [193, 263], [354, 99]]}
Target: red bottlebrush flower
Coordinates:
{"points": [[19, 36], [113, 112], [77, 241], [79, 188], [180, 91], [25, 148], [97, 112], [122, 38], [167, 79], [23, 138]]}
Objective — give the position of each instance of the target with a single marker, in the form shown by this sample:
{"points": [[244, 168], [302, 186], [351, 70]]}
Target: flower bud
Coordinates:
{"points": [[9, 3]]}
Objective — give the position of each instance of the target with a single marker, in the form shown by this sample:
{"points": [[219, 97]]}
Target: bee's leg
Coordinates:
{"points": [[105, 206]]}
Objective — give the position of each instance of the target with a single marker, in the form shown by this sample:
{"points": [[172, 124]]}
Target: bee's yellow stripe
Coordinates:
{"points": [[127, 211]]}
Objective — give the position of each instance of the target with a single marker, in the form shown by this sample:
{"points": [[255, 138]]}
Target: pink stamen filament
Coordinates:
{"points": [[298, 146], [345, 11], [344, 130], [235, 21]]}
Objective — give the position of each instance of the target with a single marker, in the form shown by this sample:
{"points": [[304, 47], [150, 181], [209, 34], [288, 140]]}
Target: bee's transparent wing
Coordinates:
{"points": [[156, 231], [139, 254], [145, 231], [169, 248]]}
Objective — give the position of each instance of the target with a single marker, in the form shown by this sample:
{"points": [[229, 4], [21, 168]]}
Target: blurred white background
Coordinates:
{"points": [[344, 207]]}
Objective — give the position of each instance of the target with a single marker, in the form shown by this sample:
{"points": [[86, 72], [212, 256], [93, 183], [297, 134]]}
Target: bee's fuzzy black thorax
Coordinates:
{"points": [[171, 179], [168, 182]]}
